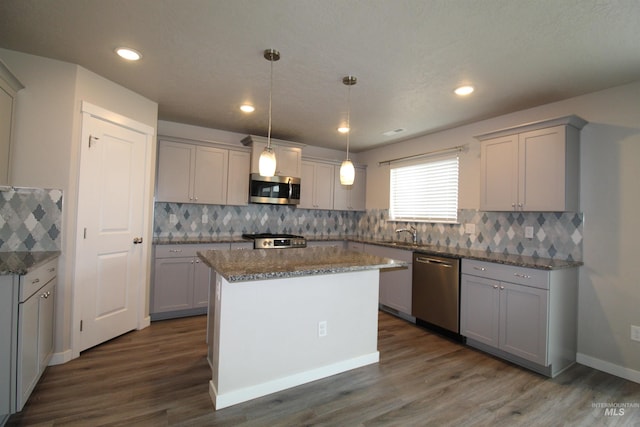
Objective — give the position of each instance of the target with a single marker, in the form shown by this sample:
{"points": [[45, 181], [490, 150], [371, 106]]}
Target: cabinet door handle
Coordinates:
{"points": [[501, 288], [479, 268], [495, 286], [137, 240], [523, 276], [197, 261]]}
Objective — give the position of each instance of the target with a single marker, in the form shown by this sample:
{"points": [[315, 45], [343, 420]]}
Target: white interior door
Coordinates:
{"points": [[109, 270]]}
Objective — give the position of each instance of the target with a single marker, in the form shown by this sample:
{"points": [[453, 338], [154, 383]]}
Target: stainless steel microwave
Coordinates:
{"points": [[276, 190]]}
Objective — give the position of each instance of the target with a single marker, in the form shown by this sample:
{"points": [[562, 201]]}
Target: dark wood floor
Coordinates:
{"points": [[159, 376]]}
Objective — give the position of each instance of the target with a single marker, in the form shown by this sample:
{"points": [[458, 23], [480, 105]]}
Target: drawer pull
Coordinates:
{"points": [[51, 270], [523, 276], [175, 250], [479, 268], [35, 281]]}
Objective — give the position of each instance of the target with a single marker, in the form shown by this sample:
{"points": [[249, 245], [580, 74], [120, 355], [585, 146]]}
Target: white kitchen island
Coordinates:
{"points": [[281, 318]]}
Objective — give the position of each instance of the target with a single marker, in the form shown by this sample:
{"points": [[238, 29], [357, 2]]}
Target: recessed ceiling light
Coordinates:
{"points": [[128, 53], [247, 108], [464, 90], [343, 129]]}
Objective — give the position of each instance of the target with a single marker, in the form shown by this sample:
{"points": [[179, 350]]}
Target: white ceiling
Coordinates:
{"points": [[203, 58]]}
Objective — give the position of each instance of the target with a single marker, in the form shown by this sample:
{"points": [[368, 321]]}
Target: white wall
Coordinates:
{"points": [[47, 138], [609, 296]]}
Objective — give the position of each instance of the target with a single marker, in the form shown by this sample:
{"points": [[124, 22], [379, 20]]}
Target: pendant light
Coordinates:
{"points": [[267, 162], [347, 172]]}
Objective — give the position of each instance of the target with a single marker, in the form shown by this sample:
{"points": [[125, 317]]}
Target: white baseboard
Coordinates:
{"points": [[232, 398], [608, 367], [61, 357]]}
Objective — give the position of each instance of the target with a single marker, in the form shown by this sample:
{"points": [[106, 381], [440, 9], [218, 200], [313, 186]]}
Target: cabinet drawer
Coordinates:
{"points": [[181, 251], [37, 278], [507, 273]]}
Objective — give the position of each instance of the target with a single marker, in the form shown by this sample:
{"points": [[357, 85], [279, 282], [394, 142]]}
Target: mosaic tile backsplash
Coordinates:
{"points": [[557, 235], [30, 219]]}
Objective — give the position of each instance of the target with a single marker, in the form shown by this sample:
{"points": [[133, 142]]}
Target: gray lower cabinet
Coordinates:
{"points": [[181, 280], [527, 316], [395, 285], [27, 314]]}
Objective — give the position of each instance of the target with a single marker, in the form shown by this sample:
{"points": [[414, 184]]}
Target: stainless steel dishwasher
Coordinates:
{"points": [[436, 291]]}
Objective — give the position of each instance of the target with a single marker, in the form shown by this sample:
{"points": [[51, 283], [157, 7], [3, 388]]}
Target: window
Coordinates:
{"points": [[427, 191]]}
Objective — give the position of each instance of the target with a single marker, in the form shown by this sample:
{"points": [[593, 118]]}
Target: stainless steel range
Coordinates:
{"points": [[276, 241]]}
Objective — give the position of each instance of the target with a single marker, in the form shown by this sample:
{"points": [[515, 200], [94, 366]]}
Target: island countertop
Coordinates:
{"points": [[261, 264]]}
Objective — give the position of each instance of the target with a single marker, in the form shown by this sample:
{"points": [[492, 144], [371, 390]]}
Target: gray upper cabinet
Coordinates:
{"points": [[531, 168], [316, 191], [350, 197], [288, 155], [196, 173], [9, 87]]}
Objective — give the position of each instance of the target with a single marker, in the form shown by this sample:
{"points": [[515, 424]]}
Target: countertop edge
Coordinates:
{"points": [[26, 267], [496, 257]]}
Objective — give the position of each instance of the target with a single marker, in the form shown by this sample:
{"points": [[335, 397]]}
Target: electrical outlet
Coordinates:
{"points": [[635, 333], [528, 232], [322, 328], [205, 218], [470, 228], [173, 219]]}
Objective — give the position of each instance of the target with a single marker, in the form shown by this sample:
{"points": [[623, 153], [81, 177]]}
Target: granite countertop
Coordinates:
{"points": [[21, 263], [497, 257], [262, 264], [196, 240], [500, 258]]}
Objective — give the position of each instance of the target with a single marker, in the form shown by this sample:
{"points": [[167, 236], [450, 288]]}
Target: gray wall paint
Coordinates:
{"points": [[610, 154], [48, 128]]}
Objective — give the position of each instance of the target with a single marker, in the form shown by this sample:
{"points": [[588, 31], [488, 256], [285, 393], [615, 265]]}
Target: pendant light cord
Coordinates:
{"points": [[270, 92], [348, 117]]}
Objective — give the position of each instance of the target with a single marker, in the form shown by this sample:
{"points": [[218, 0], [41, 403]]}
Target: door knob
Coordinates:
{"points": [[137, 240]]}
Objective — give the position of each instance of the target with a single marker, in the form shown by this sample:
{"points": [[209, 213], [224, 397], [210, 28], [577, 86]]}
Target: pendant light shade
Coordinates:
{"points": [[347, 171], [267, 161]]}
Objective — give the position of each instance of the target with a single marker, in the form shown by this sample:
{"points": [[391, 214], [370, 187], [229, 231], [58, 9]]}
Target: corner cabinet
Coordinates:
{"points": [[524, 315], [534, 167], [350, 197], [288, 155], [194, 172], [27, 314]]}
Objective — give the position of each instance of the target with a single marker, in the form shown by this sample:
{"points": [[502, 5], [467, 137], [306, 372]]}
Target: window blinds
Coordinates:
{"points": [[425, 192]]}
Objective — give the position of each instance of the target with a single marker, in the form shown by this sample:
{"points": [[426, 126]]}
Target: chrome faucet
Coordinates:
{"points": [[411, 230]]}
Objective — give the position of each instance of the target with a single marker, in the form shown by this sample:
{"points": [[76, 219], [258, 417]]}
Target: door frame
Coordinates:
{"points": [[88, 111]]}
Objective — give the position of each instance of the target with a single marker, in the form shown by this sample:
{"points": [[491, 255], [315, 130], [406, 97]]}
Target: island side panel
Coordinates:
{"points": [[267, 339]]}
